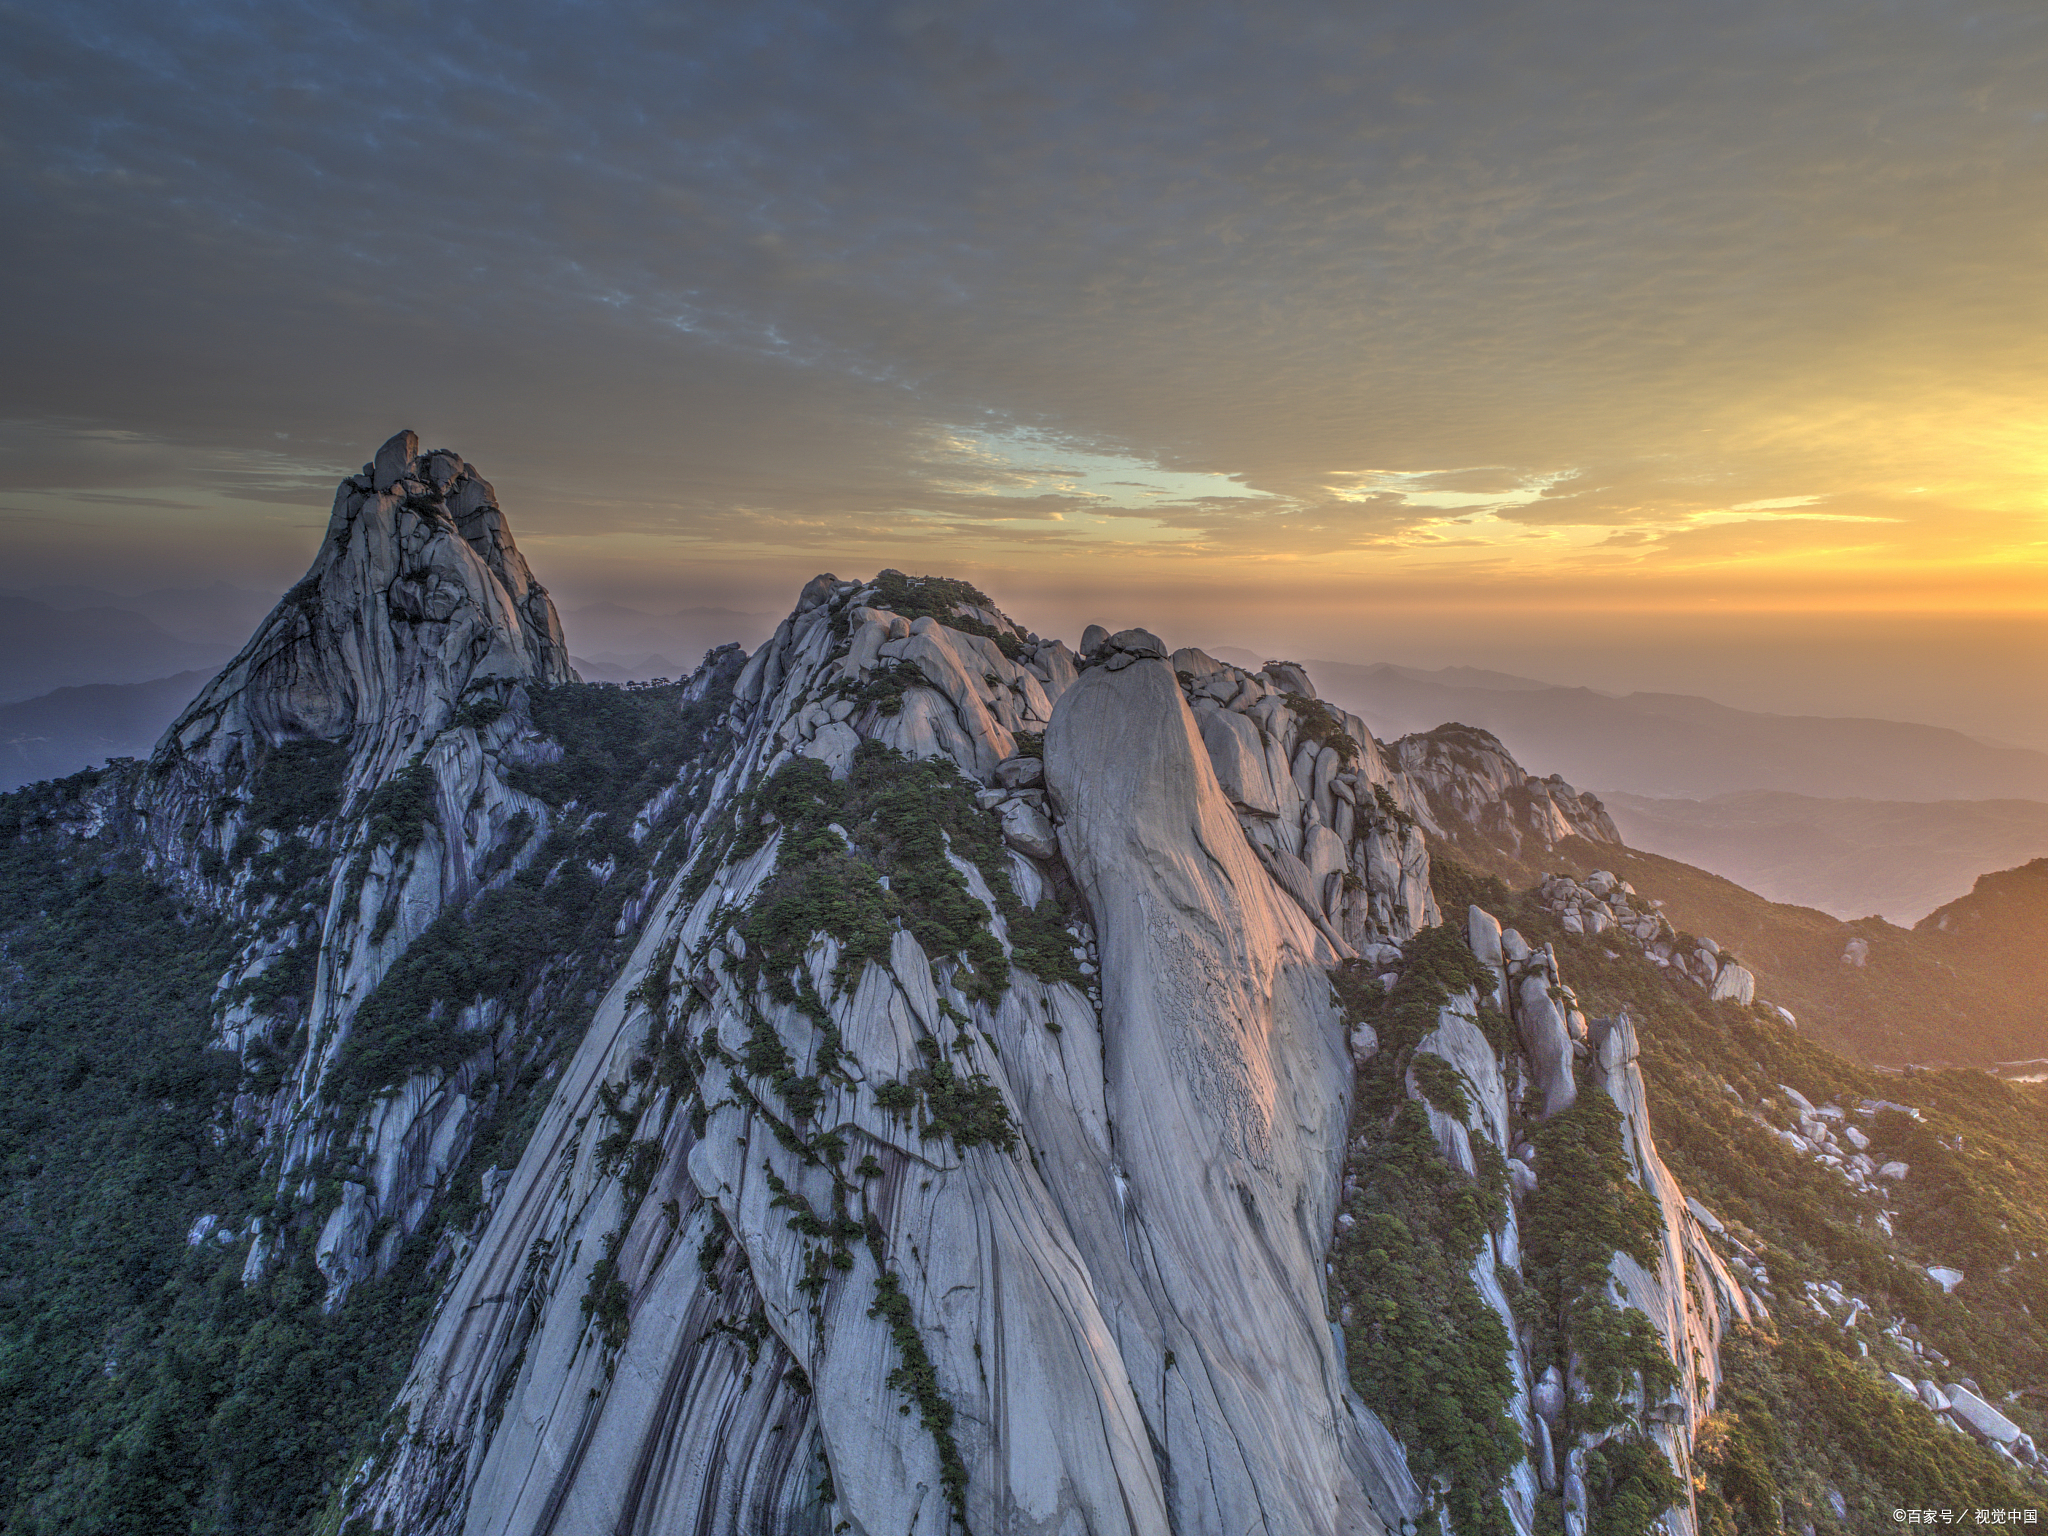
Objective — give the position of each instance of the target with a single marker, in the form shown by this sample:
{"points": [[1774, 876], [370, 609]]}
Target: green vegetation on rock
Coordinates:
{"points": [[941, 598], [145, 1387], [1315, 721], [1804, 1409], [299, 785], [965, 1108], [1585, 1209], [894, 818], [1425, 1350], [142, 1388]]}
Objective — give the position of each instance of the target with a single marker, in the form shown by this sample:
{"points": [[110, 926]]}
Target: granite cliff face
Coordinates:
{"points": [[1462, 779], [920, 1077], [417, 595], [337, 787], [963, 1143]]}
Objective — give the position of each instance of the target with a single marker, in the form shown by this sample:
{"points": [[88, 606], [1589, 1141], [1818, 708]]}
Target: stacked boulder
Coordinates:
{"points": [[1459, 776], [1605, 904], [1332, 823]]}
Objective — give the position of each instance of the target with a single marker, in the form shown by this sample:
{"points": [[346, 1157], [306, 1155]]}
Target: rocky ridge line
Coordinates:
{"points": [[1604, 905], [1487, 1130], [1022, 1282], [953, 1181]]}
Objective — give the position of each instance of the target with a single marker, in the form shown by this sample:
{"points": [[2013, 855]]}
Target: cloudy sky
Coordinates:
{"points": [[1644, 344]]}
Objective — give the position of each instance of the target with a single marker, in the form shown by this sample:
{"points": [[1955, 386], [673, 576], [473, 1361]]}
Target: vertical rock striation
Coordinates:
{"points": [[972, 1086], [1461, 778], [1030, 1201], [340, 785], [1229, 1087], [417, 593]]}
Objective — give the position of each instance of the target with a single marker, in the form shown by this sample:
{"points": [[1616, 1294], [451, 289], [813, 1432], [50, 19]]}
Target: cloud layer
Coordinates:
{"points": [[1661, 304]]}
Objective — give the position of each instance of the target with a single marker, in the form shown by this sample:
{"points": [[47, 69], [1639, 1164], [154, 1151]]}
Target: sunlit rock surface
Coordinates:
{"points": [[1123, 1311]]}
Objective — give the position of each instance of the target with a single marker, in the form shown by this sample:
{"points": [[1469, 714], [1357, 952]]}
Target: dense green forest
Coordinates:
{"points": [[145, 1388]]}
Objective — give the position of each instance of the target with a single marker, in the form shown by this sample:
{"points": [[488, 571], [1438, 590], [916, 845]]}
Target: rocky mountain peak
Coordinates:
{"points": [[417, 595], [1460, 777]]}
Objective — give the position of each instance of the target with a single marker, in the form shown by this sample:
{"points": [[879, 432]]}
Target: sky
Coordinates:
{"points": [[1654, 345]]}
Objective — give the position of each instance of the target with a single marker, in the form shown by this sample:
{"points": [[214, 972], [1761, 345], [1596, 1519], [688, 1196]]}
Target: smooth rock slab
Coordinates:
{"points": [[1547, 1042], [1980, 1418], [1228, 1083]]}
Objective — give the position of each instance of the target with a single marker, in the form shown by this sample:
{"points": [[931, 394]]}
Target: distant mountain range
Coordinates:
{"points": [[1852, 817], [1850, 858], [44, 647], [1680, 746], [617, 644], [74, 728], [218, 614]]}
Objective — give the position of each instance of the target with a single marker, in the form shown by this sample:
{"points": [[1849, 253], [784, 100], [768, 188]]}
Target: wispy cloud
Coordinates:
{"points": [[1146, 285]]}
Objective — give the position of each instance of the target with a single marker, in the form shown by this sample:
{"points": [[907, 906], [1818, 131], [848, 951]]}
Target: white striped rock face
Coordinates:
{"points": [[417, 600], [1229, 1086], [417, 592], [1122, 1315], [739, 1284]]}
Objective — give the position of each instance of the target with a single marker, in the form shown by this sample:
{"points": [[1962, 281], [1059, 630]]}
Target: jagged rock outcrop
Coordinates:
{"points": [[1314, 795], [1687, 1294], [1603, 904], [360, 741], [959, 1144], [417, 592], [1462, 779], [919, 1078], [1064, 1199]]}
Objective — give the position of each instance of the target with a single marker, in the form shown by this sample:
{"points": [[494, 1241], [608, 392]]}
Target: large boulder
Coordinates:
{"points": [[1026, 829], [1237, 755], [1290, 677], [1980, 1418], [1482, 933], [394, 460], [1548, 1043], [1733, 984]]}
